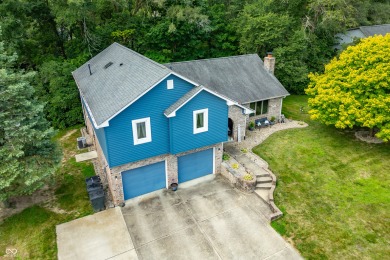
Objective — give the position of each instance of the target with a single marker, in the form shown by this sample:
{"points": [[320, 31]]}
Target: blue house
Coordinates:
{"points": [[150, 125]]}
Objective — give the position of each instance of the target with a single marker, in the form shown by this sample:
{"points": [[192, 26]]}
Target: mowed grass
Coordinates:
{"points": [[32, 232], [334, 190]]}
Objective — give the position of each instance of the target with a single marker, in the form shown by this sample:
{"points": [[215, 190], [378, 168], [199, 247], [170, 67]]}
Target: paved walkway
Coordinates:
{"points": [[266, 180], [98, 236]]}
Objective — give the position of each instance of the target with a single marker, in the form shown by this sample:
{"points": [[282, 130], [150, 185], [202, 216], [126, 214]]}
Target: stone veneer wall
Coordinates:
{"points": [[274, 109], [235, 113], [171, 165]]}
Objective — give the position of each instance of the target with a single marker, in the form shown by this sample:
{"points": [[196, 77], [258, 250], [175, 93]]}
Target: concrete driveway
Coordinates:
{"points": [[208, 220]]}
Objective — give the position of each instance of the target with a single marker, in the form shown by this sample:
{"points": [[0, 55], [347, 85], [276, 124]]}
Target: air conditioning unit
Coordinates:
{"points": [[81, 142]]}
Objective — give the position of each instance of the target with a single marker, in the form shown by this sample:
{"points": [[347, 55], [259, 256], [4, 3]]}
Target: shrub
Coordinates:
{"points": [[248, 177], [225, 157], [235, 166]]}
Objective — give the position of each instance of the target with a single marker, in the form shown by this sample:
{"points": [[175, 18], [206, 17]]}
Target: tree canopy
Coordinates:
{"points": [[354, 90], [54, 37], [27, 154]]}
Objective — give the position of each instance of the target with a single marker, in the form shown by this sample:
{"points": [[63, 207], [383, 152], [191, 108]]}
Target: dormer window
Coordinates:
{"points": [[201, 120]]}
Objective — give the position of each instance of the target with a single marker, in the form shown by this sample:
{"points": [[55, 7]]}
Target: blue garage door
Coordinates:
{"points": [[195, 165], [143, 180]]}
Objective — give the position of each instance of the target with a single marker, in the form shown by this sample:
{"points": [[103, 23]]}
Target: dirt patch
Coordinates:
{"points": [[68, 134], [44, 197], [365, 137], [18, 204]]}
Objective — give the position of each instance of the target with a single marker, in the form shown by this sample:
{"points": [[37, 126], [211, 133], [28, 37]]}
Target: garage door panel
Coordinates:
{"points": [[195, 165], [143, 180]]}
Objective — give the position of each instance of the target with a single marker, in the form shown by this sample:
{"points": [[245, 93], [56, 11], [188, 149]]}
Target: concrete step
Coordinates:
{"points": [[264, 186], [262, 174], [263, 179], [263, 194]]}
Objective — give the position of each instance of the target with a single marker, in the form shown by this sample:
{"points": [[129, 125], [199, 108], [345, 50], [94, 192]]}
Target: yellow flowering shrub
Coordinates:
{"points": [[248, 177], [354, 90]]}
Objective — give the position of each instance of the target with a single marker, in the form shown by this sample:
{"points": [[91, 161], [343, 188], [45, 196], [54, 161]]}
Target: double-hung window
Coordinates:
{"points": [[141, 131], [201, 120]]}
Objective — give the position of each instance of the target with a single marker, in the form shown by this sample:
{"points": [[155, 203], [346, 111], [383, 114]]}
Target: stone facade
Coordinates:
{"points": [[274, 109], [239, 120]]}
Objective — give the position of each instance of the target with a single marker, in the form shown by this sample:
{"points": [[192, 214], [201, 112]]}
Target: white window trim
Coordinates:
{"points": [[170, 84], [205, 127], [148, 137]]}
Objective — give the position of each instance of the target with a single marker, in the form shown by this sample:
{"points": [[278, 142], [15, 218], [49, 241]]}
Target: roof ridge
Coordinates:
{"points": [[228, 57], [140, 55]]}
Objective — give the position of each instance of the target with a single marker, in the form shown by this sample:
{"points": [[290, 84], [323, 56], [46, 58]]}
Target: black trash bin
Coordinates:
{"points": [[95, 192], [93, 180], [97, 199], [93, 183]]}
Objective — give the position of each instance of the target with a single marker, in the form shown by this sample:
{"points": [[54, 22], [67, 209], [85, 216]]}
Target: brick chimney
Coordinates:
{"points": [[269, 63]]}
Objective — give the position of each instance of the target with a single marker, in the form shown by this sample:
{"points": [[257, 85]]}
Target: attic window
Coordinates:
{"points": [[170, 84], [108, 65]]}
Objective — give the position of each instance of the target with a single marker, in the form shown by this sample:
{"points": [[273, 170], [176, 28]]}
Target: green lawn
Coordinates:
{"points": [[334, 190], [32, 232]]}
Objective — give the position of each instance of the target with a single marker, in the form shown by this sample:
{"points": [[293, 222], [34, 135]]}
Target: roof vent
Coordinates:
{"points": [[89, 68], [120, 64], [108, 65]]}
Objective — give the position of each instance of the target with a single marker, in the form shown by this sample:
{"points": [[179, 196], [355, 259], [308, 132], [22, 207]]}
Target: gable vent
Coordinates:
{"points": [[108, 65]]}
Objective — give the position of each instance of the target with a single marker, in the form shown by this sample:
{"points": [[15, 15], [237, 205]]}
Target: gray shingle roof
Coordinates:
{"points": [[110, 89], [183, 100], [241, 78], [381, 29], [361, 32]]}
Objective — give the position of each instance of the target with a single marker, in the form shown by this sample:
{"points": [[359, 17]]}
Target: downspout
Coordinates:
{"points": [[170, 135]]}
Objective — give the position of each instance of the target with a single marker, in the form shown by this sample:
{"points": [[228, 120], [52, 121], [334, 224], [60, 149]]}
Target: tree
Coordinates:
{"points": [[261, 30], [27, 154], [58, 90], [291, 68], [354, 90]]}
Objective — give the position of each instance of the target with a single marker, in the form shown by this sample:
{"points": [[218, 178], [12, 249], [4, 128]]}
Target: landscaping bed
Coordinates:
{"points": [[237, 174]]}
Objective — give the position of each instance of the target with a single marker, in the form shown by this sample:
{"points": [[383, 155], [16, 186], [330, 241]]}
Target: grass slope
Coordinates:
{"points": [[332, 188], [32, 232]]}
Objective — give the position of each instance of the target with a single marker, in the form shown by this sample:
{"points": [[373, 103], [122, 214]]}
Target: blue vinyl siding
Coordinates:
{"points": [[100, 135], [119, 134], [195, 165], [183, 137]]}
